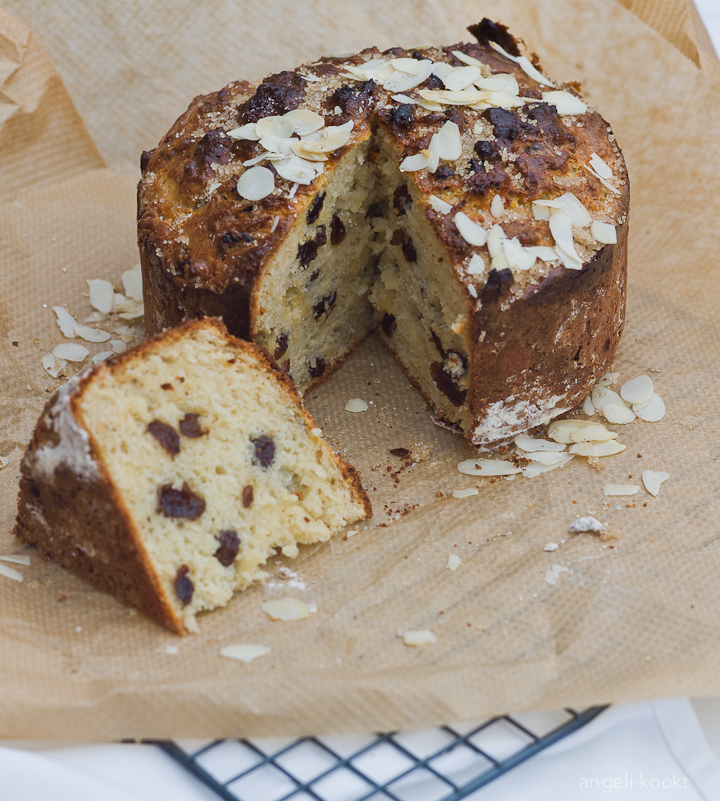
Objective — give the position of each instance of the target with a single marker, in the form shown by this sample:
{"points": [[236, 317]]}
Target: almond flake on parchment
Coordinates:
{"points": [[620, 489], [8, 572], [620, 415], [465, 493], [414, 639], [16, 558], [286, 609], [356, 405], [652, 481], [244, 652], [453, 562], [638, 390], [469, 230], [651, 412], [587, 523], [439, 205], [256, 183]]}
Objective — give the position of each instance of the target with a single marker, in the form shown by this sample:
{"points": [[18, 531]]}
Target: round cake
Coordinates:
{"points": [[456, 200]]}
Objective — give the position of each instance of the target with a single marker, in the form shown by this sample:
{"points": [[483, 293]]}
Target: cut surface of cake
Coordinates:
{"points": [[170, 474], [456, 200]]}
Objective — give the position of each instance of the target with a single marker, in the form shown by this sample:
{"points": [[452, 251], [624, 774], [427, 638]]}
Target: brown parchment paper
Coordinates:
{"points": [[635, 620]]}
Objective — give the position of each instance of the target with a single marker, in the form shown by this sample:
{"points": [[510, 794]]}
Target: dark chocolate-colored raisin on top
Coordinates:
{"points": [[190, 426], [184, 587], [228, 548], [180, 502]]}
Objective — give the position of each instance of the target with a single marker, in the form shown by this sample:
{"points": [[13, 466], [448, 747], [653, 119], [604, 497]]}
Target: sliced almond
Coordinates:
{"points": [[296, 170], [8, 572], [403, 81], [16, 558], [244, 132], [415, 639], [638, 391], [91, 334], [450, 146], [593, 433], [546, 457], [595, 449], [588, 407], [499, 82], [476, 265], [356, 405], [653, 411], [516, 255], [618, 414], [566, 103], [244, 652], [535, 469], [65, 321], [419, 161], [620, 489], [439, 205], [286, 609], [497, 207], [461, 77], [532, 445], [604, 233], [466, 493], [574, 209], [101, 295], [279, 126], [587, 523], [600, 167], [453, 562], [469, 230], [487, 467], [602, 396], [100, 357], [256, 183], [71, 351], [652, 481], [560, 430]]}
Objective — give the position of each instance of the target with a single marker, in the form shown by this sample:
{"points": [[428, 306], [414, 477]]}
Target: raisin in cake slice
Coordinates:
{"points": [[169, 474]]}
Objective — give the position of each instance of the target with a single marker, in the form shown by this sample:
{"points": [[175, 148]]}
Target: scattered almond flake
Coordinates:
{"points": [[561, 230], [449, 144], [417, 162], [316, 431], [604, 233], [310, 77], [574, 209], [602, 396], [91, 334], [286, 609], [551, 546], [465, 493], [100, 357], [531, 445], [118, 346], [274, 225], [65, 321], [560, 430], [595, 432], [244, 132], [404, 99], [602, 180], [445, 97], [476, 265], [487, 467], [516, 255], [552, 575], [608, 379], [171, 649], [53, 365], [651, 480], [620, 489], [439, 205], [349, 534], [297, 170], [356, 405], [499, 82], [276, 125], [535, 469], [587, 523], [453, 562], [24, 559], [600, 167], [620, 415], [256, 183], [327, 141], [525, 65], [291, 193], [588, 407], [71, 351], [566, 103], [8, 572], [130, 310], [132, 283], [652, 411], [543, 252], [244, 652], [597, 449], [497, 207], [97, 317], [119, 301], [638, 391], [466, 59], [544, 457], [403, 80], [413, 639], [472, 290], [460, 78], [101, 295], [469, 230]]}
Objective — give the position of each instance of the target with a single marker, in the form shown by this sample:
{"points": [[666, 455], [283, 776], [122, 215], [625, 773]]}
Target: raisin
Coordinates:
{"points": [[307, 252], [184, 587], [337, 230], [318, 369], [229, 547], [313, 276], [275, 96], [264, 450], [409, 251], [401, 200], [247, 496], [315, 208], [497, 284], [352, 98], [388, 324], [282, 346], [446, 385], [444, 172], [166, 435], [190, 427], [402, 115], [401, 453], [325, 305], [286, 367], [180, 503], [486, 150], [433, 82], [145, 159], [398, 237]]}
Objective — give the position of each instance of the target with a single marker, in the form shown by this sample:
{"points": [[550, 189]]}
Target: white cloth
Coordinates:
{"points": [[649, 749]]}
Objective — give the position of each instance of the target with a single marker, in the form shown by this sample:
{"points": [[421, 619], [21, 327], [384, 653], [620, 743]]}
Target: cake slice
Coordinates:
{"points": [[171, 473]]}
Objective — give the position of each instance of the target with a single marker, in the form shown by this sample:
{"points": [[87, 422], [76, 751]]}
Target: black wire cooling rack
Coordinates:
{"points": [[443, 764]]}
